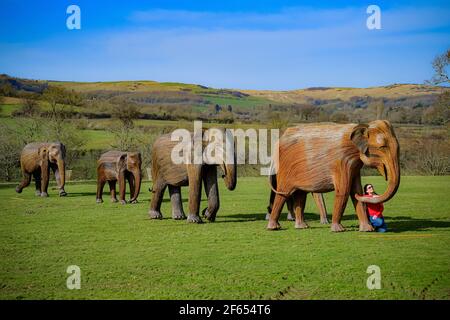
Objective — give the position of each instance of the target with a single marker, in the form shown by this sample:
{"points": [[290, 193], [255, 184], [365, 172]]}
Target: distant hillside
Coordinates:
{"points": [[396, 94], [152, 92], [25, 85], [143, 92], [406, 103], [394, 91]]}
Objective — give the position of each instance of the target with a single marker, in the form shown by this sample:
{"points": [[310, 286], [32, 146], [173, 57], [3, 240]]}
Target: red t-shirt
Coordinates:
{"points": [[374, 209]]}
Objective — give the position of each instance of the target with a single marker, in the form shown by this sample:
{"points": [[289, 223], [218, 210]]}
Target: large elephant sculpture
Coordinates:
{"points": [[165, 173], [325, 157], [37, 159], [119, 166]]}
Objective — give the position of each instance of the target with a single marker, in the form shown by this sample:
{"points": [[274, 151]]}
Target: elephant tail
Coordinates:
{"points": [[273, 181]]}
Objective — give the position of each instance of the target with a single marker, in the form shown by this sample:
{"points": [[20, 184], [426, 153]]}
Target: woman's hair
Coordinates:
{"points": [[367, 186]]}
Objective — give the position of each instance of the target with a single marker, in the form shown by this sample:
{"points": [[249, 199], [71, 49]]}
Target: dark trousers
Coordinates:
{"points": [[378, 224]]}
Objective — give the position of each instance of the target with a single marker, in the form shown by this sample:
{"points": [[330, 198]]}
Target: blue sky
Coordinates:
{"points": [[279, 45]]}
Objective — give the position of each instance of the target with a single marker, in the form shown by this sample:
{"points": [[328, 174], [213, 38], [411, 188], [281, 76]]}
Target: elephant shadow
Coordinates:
{"points": [[262, 216], [183, 200], [400, 224], [396, 224], [403, 224], [80, 194]]}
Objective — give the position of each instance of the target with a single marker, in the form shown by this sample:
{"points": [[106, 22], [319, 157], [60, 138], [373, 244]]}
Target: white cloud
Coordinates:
{"points": [[288, 18], [297, 47], [398, 19]]}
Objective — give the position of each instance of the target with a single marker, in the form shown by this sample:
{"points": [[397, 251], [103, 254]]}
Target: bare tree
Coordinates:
{"points": [[307, 111], [125, 134], [30, 108], [10, 148], [339, 117], [434, 158], [126, 112], [7, 90], [440, 66], [55, 97], [376, 110], [380, 110]]}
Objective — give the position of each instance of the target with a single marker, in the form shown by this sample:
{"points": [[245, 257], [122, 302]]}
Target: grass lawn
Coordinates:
{"points": [[6, 110], [124, 255], [247, 102], [97, 139]]}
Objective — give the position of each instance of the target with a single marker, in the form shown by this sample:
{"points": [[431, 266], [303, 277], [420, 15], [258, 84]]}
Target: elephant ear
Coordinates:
{"points": [[63, 150], [122, 162], [359, 137], [139, 159], [43, 153]]}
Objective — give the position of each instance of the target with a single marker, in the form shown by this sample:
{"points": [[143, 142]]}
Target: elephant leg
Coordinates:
{"points": [[195, 192], [45, 174], [100, 184], [276, 211], [155, 206], [290, 205], [340, 202], [112, 190], [320, 203], [212, 192], [364, 224], [37, 181], [25, 182], [62, 192], [299, 199], [269, 207], [177, 205]]}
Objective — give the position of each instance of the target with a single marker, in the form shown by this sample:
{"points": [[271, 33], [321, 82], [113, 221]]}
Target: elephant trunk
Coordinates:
{"points": [[230, 175], [391, 172], [229, 163], [62, 172], [137, 184]]}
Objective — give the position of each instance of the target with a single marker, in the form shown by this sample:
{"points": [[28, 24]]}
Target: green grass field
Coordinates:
{"points": [[124, 255]]}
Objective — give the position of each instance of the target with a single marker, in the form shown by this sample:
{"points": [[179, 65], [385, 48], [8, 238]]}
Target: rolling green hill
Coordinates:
{"points": [[163, 94]]}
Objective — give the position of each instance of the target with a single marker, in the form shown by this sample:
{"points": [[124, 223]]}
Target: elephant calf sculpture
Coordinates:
{"points": [[325, 157], [119, 166], [37, 159], [167, 174]]}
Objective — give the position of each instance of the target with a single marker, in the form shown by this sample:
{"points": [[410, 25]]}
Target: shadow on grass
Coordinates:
{"points": [[183, 200], [395, 224], [262, 216], [410, 224], [81, 194], [400, 224]]}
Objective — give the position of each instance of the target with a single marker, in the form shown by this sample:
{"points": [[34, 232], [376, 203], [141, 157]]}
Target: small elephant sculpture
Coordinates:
{"points": [[167, 174], [37, 159], [325, 157], [119, 166]]}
